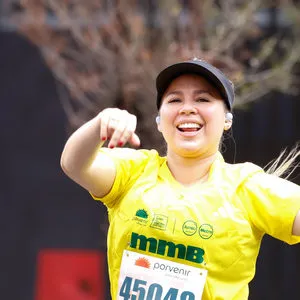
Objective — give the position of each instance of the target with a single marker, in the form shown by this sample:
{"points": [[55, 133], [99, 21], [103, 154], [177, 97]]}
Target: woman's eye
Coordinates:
{"points": [[174, 100], [202, 100]]}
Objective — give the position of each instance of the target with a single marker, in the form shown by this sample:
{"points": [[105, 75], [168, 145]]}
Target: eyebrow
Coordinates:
{"points": [[195, 92]]}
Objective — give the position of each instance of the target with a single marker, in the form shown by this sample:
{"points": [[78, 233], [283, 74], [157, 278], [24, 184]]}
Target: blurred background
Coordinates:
{"points": [[62, 61]]}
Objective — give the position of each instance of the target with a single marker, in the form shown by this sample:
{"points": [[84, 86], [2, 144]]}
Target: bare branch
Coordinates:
{"points": [[109, 55]]}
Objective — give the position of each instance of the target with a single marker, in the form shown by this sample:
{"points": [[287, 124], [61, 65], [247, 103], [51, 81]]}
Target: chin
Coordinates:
{"points": [[189, 150], [192, 150]]}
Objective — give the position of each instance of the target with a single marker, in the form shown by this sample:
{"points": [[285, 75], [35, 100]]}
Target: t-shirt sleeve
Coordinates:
{"points": [[129, 165], [272, 204]]}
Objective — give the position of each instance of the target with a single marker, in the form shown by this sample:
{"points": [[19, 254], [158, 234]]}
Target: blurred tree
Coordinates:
{"points": [[107, 53]]}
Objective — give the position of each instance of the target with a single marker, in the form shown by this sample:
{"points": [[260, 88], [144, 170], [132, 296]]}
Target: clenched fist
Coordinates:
{"points": [[118, 126]]}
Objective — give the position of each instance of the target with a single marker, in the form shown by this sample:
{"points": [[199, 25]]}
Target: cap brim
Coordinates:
{"points": [[206, 70]]}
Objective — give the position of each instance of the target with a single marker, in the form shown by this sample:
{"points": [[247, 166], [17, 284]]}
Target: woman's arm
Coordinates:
{"points": [[296, 226], [82, 161]]}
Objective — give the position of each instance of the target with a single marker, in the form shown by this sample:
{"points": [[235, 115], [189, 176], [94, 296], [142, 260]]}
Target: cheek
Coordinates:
{"points": [[166, 116], [215, 108], [208, 113], [215, 117]]}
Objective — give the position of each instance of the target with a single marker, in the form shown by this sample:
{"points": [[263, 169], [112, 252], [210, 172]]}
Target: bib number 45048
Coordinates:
{"points": [[136, 289]]}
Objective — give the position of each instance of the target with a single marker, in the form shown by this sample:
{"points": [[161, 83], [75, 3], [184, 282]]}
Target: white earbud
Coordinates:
{"points": [[228, 116], [157, 119]]}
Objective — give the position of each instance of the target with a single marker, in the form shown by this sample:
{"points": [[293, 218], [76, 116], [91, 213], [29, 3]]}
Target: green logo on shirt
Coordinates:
{"points": [[206, 231], [159, 222], [142, 214], [189, 227], [165, 248]]}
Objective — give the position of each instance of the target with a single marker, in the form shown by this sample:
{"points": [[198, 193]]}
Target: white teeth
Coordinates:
{"points": [[189, 125]]}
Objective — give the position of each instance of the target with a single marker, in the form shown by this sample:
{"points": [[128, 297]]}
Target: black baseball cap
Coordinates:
{"points": [[199, 67]]}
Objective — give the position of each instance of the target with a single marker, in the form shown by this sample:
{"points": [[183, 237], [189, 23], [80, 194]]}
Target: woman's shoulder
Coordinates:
{"points": [[241, 172], [243, 167]]}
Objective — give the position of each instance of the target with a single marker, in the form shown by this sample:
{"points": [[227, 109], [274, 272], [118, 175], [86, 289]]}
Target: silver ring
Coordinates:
{"points": [[113, 120]]}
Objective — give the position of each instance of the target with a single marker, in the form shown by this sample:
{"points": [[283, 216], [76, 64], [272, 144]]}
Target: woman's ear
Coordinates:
{"points": [[228, 121], [157, 120]]}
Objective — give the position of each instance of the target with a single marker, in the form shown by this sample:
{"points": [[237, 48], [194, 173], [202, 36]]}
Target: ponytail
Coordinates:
{"points": [[285, 164]]}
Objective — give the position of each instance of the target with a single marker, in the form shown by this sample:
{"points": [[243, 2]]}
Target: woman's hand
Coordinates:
{"points": [[118, 126]]}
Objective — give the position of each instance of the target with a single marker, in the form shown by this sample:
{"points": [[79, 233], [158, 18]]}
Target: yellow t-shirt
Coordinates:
{"points": [[224, 219]]}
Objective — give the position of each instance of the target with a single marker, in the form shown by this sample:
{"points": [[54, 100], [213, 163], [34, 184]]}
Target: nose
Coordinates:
{"points": [[188, 108]]}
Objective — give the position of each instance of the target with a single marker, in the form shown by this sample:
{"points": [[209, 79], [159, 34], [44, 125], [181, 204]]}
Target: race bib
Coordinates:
{"points": [[144, 277]]}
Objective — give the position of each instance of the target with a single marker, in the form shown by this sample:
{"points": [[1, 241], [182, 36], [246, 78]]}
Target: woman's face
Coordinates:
{"points": [[192, 117]]}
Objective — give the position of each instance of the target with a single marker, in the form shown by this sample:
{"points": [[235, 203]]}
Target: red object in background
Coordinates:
{"points": [[70, 275]]}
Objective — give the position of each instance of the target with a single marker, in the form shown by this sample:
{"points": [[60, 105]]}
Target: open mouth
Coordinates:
{"points": [[189, 127]]}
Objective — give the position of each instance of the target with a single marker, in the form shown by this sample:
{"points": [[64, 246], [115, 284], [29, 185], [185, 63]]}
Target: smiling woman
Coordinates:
{"points": [[192, 120], [200, 214]]}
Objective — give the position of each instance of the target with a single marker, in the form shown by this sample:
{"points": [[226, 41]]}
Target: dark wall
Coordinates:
{"points": [[41, 208]]}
